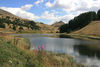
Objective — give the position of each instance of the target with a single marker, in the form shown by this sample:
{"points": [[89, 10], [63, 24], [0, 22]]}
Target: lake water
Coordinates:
{"points": [[64, 44]]}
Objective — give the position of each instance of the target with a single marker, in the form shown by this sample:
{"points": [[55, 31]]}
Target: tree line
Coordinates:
{"points": [[17, 22], [80, 21]]}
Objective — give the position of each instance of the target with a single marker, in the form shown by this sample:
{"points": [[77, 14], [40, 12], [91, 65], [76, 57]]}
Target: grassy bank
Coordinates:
{"points": [[83, 36], [14, 52]]}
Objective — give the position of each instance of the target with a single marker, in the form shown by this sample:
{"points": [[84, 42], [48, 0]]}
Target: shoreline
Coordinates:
{"points": [[83, 36]]}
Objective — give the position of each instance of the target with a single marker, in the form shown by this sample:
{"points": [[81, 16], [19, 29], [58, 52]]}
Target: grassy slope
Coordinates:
{"points": [[44, 28], [58, 24], [15, 53], [91, 29]]}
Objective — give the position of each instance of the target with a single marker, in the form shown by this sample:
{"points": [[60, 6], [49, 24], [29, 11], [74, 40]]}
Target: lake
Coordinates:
{"points": [[82, 50]]}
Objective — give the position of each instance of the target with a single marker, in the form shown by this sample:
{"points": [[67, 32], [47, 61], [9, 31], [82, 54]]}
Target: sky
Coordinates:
{"points": [[49, 11]]}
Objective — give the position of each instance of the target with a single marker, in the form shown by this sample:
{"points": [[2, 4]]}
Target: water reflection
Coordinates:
{"points": [[64, 36], [54, 44], [87, 55], [87, 50]]}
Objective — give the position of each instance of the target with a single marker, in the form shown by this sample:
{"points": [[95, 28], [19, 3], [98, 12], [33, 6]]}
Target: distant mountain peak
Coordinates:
{"points": [[58, 24]]}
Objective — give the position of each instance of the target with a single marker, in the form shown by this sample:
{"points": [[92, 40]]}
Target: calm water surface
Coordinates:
{"points": [[64, 44]]}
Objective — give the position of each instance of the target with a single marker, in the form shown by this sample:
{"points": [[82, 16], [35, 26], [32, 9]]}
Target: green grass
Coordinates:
{"points": [[12, 55]]}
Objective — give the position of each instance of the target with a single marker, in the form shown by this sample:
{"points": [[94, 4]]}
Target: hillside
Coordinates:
{"points": [[91, 29], [47, 28], [58, 24], [79, 22], [14, 23], [4, 14]]}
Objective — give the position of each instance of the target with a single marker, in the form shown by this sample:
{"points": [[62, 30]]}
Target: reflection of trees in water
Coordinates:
{"points": [[64, 36], [87, 51]]}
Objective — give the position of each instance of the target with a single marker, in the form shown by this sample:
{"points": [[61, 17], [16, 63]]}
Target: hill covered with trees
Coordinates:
{"points": [[10, 21], [80, 21], [17, 24]]}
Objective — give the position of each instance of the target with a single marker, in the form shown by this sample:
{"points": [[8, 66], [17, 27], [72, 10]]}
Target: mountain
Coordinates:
{"points": [[4, 13], [11, 22], [92, 28], [47, 28], [58, 24]]}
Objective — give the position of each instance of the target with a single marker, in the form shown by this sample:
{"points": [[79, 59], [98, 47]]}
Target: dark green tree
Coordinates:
{"points": [[64, 28], [82, 20], [33, 25], [2, 25], [14, 28], [98, 14], [7, 20], [79, 22]]}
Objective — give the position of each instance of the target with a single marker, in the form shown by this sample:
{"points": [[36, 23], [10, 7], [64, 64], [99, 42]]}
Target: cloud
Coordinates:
{"points": [[50, 16], [21, 12], [27, 7], [48, 4], [39, 1], [75, 5], [61, 4]]}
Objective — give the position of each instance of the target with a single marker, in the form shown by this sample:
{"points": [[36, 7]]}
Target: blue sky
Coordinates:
{"points": [[49, 11]]}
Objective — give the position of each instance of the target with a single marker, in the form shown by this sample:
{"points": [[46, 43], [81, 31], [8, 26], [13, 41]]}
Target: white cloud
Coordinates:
{"points": [[64, 18], [48, 4], [75, 5], [54, 18], [62, 4], [21, 12], [39, 1], [67, 17], [48, 16], [27, 7]]}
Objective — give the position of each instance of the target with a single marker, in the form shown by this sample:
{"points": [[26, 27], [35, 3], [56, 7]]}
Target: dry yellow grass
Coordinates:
{"points": [[20, 42], [47, 28], [91, 29]]}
